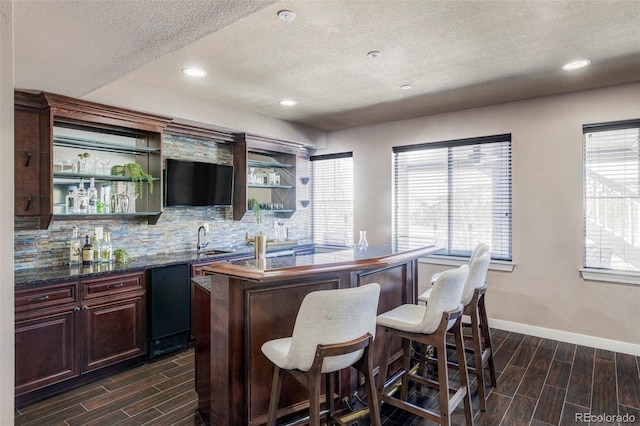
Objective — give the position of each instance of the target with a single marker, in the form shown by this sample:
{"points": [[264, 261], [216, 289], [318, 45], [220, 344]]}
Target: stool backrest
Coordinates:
{"points": [[478, 251], [477, 276], [446, 295], [333, 316]]}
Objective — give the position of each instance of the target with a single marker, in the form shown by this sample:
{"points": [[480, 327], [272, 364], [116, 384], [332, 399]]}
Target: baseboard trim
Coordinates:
{"points": [[565, 336]]}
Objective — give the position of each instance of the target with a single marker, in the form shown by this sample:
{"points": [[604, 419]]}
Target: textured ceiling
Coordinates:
{"points": [[455, 54]]}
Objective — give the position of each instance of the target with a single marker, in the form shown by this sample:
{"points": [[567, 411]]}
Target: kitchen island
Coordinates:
{"points": [[239, 305]]}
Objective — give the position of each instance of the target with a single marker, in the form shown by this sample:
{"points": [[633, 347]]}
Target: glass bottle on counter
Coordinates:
{"points": [[70, 202], [87, 253], [82, 200], [92, 195], [106, 249], [74, 248], [96, 247]]}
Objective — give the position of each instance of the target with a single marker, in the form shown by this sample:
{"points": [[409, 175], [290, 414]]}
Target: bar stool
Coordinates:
{"points": [[333, 330], [474, 307], [428, 325], [478, 250]]}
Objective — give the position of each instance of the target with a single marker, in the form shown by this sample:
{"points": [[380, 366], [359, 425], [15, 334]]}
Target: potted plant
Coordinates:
{"points": [[253, 205], [137, 174], [121, 256]]}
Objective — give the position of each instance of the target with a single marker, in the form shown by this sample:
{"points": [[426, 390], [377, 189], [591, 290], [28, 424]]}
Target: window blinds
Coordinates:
{"points": [[458, 191], [611, 195], [332, 199]]}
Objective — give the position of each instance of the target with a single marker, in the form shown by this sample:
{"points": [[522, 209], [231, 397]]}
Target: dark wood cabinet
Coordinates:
{"points": [[64, 331], [46, 336], [113, 320], [47, 125], [265, 155]]}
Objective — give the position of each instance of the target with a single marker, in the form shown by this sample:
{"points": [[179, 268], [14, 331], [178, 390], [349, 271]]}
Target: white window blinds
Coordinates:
{"points": [[458, 191], [611, 195], [332, 199]]}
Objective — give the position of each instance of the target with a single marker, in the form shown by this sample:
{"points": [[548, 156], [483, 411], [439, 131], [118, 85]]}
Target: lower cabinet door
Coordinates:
{"points": [[112, 331], [45, 349]]}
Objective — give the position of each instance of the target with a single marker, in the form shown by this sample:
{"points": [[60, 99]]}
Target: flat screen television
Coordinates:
{"points": [[192, 183]]}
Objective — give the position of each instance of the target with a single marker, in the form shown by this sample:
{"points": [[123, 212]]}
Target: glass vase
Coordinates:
{"points": [[362, 243]]}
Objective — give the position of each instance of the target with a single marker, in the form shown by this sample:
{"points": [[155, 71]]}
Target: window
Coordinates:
{"points": [[332, 199], [611, 199], [459, 191]]}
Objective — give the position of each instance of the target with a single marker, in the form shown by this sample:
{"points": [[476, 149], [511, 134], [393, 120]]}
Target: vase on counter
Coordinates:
{"points": [[362, 243]]}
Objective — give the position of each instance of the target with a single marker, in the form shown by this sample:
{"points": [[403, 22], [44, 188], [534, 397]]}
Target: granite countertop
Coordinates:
{"points": [[43, 276], [274, 268]]}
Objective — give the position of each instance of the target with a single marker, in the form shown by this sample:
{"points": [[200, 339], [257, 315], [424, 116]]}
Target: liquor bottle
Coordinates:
{"points": [[70, 202], [87, 253], [74, 248], [82, 200], [92, 195], [106, 250], [97, 242]]}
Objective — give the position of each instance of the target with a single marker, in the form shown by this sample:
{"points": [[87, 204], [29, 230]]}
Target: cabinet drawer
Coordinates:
{"points": [[113, 285], [44, 297]]}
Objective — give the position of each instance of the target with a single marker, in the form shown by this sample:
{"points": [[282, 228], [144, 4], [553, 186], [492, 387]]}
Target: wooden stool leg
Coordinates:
{"points": [[276, 384], [384, 364], [477, 358], [443, 381], [406, 365], [314, 397], [464, 375], [486, 337], [365, 366], [329, 387]]}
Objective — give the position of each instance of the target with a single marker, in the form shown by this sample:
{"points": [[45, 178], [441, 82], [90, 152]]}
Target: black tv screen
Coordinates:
{"points": [[192, 183]]}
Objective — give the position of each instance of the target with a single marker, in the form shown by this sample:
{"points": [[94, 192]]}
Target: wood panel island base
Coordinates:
{"points": [[241, 305]]}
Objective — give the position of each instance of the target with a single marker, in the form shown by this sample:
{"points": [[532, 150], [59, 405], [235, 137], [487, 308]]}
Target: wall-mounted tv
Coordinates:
{"points": [[192, 183]]}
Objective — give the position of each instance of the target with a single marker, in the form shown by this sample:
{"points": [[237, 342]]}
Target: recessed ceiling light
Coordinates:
{"points": [[286, 15], [576, 64], [194, 72], [374, 54], [406, 87], [288, 102]]}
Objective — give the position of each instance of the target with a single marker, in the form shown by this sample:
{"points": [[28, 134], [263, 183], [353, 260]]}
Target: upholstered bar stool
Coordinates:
{"points": [[333, 330], [478, 250], [473, 301], [428, 325]]}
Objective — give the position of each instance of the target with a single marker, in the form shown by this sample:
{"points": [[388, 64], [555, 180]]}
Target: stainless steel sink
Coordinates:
{"points": [[215, 252]]}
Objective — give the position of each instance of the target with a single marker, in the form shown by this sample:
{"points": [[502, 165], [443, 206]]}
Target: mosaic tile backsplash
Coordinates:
{"points": [[177, 228]]}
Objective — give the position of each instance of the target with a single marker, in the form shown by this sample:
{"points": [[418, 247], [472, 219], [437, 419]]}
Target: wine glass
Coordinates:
{"points": [[104, 163]]}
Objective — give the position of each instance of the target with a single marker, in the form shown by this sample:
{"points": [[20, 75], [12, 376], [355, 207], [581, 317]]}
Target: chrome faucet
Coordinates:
{"points": [[201, 245]]}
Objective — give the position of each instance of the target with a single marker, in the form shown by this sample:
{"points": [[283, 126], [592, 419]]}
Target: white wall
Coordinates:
{"points": [[138, 96], [6, 214], [545, 288]]}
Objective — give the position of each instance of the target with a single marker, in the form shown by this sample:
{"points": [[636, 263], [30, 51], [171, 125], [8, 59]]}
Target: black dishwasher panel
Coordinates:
{"points": [[169, 309]]}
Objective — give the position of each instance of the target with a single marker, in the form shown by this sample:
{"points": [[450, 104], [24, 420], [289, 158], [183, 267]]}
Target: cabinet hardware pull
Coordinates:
{"points": [[116, 285], [84, 308], [26, 164], [76, 309], [38, 299], [28, 204]]}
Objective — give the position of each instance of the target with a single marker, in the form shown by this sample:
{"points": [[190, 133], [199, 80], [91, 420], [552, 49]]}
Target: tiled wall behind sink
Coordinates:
{"points": [[177, 227]]}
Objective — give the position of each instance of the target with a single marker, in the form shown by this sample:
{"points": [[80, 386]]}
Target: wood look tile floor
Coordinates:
{"points": [[540, 382]]}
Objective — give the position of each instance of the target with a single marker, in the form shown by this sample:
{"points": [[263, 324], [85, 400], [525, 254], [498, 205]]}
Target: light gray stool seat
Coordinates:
{"points": [[334, 329], [428, 325]]}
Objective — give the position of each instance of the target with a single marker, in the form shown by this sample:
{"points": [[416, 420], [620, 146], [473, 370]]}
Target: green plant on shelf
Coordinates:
{"points": [[137, 174], [254, 205]]}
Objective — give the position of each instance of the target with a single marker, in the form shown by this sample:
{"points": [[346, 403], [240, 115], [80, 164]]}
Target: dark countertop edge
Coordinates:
{"points": [[34, 277], [251, 273]]}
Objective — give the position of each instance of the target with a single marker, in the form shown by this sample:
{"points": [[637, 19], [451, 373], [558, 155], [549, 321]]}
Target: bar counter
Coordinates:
{"points": [[242, 304]]}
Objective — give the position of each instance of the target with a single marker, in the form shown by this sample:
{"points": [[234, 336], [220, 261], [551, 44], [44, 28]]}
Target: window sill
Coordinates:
{"points": [[611, 276], [495, 265]]}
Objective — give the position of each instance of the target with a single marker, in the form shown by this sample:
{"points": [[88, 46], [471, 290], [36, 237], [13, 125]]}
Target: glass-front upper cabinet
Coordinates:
{"points": [[105, 173], [75, 157]]}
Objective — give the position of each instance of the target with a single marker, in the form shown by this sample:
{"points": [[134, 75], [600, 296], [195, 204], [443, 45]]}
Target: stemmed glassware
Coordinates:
{"points": [[104, 163]]}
